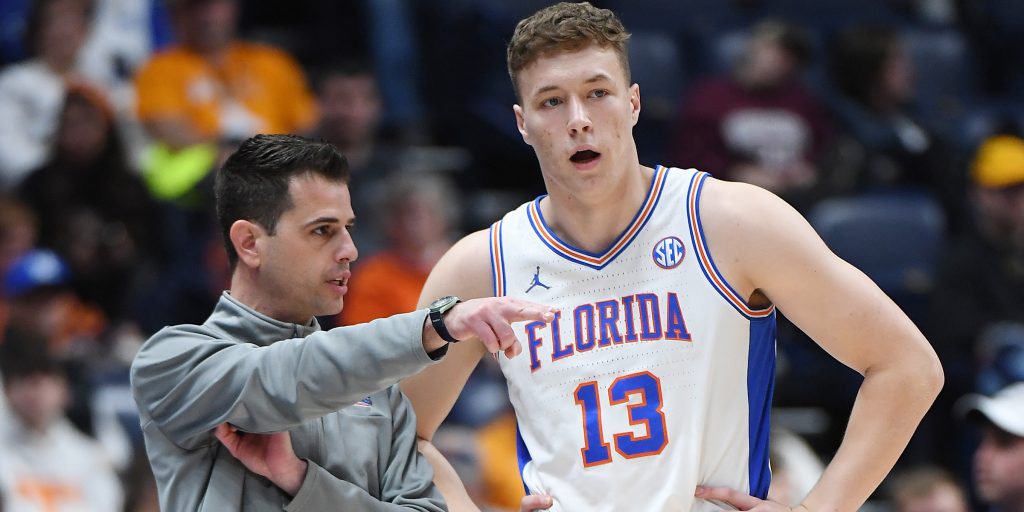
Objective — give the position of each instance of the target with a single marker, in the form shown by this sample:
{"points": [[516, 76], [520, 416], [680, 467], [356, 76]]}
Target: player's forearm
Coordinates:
{"points": [[447, 480], [891, 402]]}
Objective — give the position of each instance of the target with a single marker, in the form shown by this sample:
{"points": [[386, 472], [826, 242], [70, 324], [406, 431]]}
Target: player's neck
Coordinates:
{"points": [[593, 222]]}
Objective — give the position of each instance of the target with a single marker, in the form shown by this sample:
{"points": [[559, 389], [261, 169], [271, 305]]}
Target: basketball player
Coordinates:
{"points": [[651, 389]]}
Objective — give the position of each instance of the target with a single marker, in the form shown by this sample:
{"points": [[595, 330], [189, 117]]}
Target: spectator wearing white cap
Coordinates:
{"points": [[999, 459]]}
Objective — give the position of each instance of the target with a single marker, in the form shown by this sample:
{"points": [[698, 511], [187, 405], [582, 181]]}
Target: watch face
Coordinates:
{"points": [[444, 302]]}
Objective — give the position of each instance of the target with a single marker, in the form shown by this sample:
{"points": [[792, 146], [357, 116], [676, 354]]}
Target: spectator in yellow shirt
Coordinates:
{"points": [[213, 87]]}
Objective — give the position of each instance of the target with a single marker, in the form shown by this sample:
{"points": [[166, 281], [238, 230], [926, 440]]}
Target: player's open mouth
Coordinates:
{"points": [[584, 157]]}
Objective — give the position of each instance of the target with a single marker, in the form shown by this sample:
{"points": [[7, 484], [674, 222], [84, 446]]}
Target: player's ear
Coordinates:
{"points": [[521, 123], [245, 236], [634, 101]]}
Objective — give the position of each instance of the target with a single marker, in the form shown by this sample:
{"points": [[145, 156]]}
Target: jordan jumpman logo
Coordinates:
{"points": [[536, 281]]}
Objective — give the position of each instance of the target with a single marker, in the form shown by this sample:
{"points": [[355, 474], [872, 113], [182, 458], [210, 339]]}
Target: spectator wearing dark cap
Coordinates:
{"points": [[760, 124], [999, 459]]}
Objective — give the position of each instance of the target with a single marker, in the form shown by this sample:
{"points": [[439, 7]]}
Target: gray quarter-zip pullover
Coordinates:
{"points": [[333, 391]]}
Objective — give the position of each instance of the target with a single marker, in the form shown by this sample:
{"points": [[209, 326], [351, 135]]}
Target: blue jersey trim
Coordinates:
{"points": [[523, 454], [497, 260], [760, 388], [696, 186], [610, 257]]}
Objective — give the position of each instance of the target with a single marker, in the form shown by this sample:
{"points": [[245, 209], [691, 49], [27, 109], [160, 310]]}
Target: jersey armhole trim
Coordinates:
{"points": [[497, 260], [704, 259]]}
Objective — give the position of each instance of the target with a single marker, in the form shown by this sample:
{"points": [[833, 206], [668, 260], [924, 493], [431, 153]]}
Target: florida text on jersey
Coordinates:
{"points": [[655, 376]]}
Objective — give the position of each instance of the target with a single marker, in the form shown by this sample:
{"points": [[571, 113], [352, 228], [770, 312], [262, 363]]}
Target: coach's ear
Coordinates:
{"points": [[244, 236]]}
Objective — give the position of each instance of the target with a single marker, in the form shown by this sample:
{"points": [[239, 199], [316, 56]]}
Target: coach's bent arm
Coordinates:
{"points": [[189, 381], [464, 271], [765, 249]]}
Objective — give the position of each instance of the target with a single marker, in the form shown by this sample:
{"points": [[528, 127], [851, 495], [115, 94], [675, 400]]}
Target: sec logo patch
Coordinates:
{"points": [[668, 252]]}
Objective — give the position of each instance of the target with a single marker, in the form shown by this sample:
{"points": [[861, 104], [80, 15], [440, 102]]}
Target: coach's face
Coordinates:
{"points": [[303, 268]]}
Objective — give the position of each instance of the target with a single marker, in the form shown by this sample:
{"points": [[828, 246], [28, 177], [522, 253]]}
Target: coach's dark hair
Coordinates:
{"points": [[253, 182]]}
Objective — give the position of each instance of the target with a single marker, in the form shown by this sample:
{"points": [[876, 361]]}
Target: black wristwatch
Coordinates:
{"points": [[437, 310]]}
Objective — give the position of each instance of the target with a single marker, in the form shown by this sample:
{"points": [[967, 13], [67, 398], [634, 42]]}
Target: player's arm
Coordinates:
{"points": [[767, 250], [464, 271]]}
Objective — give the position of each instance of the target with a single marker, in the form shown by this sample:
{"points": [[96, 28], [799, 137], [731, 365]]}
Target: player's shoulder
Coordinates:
{"points": [[737, 205], [474, 247], [465, 270]]}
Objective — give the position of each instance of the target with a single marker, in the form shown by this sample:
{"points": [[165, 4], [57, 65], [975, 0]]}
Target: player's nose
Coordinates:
{"points": [[579, 118]]}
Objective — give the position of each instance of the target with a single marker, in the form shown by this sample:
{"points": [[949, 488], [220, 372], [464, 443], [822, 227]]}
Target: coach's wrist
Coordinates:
{"points": [[290, 478]]}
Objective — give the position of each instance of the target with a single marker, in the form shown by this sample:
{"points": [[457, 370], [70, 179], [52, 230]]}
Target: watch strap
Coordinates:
{"points": [[437, 320]]}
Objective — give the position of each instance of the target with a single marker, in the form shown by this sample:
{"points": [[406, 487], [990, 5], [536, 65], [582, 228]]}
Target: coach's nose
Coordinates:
{"points": [[346, 251]]}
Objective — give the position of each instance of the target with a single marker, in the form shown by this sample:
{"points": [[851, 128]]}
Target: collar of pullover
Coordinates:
{"points": [[244, 323]]}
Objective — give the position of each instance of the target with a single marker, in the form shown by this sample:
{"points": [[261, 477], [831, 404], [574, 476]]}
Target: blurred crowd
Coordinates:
{"points": [[895, 127]]}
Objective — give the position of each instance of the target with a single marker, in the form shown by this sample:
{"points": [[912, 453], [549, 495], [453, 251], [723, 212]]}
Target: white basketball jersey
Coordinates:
{"points": [[655, 376]]}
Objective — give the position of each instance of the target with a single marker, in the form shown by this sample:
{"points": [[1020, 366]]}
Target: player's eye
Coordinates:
{"points": [[599, 93], [551, 102]]}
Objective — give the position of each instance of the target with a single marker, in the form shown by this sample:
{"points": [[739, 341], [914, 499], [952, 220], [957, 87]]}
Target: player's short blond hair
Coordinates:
{"points": [[565, 27]]}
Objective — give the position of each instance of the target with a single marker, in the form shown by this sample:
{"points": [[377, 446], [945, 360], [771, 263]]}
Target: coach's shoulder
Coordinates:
{"points": [[170, 347]]}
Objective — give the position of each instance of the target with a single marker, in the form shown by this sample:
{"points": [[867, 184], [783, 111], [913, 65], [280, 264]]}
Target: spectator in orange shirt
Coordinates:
{"points": [[213, 87], [419, 214]]}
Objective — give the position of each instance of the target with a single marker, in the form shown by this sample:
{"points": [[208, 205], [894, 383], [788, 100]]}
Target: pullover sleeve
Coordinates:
{"points": [[189, 379]]}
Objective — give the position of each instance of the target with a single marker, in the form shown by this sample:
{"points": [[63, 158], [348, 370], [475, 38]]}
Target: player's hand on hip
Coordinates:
{"points": [[490, 320], [268, 455], [743, 501], [533, 502]]}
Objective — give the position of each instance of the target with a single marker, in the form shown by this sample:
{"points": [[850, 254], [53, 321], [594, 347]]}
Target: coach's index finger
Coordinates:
{"points": [[518, 310]]}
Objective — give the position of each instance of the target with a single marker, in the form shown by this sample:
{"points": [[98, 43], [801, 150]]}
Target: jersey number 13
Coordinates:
{"points": [[646, 412]]}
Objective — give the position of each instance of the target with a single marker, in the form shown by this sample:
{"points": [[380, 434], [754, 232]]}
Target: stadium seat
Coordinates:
{"points": [[656, 63], [943, 74], [895, 238]]}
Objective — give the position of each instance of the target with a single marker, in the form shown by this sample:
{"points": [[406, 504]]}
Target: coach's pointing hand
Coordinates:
{"points": [[489, 320]]}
